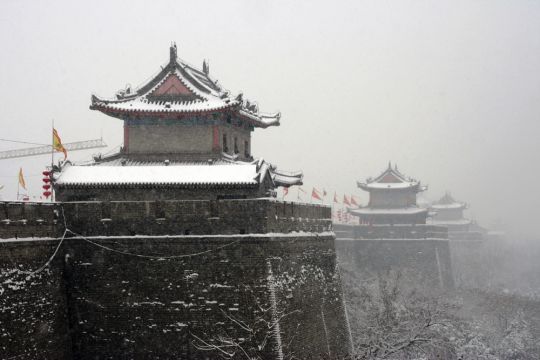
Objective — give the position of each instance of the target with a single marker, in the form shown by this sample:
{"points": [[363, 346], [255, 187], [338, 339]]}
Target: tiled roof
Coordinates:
{"points": [[158, 175], [448, 202], [118, 171], [181, 89], [391, 178]]}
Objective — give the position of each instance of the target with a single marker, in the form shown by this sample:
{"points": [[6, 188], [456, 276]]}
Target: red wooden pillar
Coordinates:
{"points": [[126, 137], [215, 137]]}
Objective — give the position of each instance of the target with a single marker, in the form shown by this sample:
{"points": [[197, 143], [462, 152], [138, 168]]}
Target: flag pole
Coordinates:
{"points": [[52, 159]]}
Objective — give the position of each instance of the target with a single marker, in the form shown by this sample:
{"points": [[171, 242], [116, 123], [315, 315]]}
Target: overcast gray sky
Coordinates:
{"points": [[450, 90]]}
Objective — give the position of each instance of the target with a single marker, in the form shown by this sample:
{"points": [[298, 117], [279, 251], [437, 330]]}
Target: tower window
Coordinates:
{"points": [[246, 148], [225, 147], [236, 146]]}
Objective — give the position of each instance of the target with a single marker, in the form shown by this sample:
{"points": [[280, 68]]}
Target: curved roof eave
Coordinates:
{"points": [[199, 82]]}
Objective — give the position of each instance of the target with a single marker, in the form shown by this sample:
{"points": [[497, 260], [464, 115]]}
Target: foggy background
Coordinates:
{"points": [[448, 90]]}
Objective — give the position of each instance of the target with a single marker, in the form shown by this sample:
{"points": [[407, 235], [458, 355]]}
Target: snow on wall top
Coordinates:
{"points": [[388, 211], [450, 222]]}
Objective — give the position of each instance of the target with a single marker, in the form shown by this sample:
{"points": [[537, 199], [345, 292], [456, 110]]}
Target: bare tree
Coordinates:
{"points": [[251, 337], [392, 323]]}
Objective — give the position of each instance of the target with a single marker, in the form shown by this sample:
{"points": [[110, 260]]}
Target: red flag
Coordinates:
{"points": [[315, 194], [285, 191], [353, 201], [335, 198], [346, 200]]}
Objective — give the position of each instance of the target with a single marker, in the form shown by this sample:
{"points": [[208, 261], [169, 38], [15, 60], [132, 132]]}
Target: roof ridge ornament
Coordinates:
{"points": [[195, 93], [173, 53], [239, 98]]}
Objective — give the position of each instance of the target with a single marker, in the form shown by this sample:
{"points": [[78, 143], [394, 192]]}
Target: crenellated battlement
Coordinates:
{"points": [[27, 212], [25, 219], [391, 232], [195, 217], [175, 217]]}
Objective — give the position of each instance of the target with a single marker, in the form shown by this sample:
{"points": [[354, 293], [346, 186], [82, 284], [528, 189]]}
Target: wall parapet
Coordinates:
{"points": [[171, 217], [394, 232], [466, 235], [27, 219]]}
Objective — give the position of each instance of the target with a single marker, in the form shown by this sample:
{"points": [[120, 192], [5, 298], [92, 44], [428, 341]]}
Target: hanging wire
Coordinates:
{"points": [[154, 257], [16, 176], [24, 142], [41, 268]]}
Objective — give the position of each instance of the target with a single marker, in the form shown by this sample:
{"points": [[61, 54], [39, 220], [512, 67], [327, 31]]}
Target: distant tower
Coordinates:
{"points": [[392, 199], [448, 212]]}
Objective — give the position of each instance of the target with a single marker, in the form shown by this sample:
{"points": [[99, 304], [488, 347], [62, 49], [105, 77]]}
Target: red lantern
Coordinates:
{"points": [[47, 183]]}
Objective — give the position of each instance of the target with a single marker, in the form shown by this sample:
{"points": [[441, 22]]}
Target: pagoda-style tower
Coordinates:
{"points": [[182, 113], [392, 199], [185, 137], [449, 212]]}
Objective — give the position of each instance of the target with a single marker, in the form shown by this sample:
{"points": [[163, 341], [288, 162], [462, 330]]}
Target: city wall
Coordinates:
{"points": [[471, 260], [420, 250], [155, 279], [33, 306]]}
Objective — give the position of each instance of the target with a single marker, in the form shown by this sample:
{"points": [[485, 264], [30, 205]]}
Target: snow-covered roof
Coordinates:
{"points": [[163, 175], [403, 185], [447, 202], [388, 211], [121, 172], [391, 179], [181, 89], [286, 179], [455, 205]]}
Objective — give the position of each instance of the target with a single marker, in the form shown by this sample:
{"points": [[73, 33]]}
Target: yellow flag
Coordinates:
{"points": [[21, 179], [57, 143]]}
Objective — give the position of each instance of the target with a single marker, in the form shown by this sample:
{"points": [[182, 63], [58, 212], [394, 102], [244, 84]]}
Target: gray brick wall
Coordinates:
{"points": [[33, 307], [422, 250], [99, 299]]}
